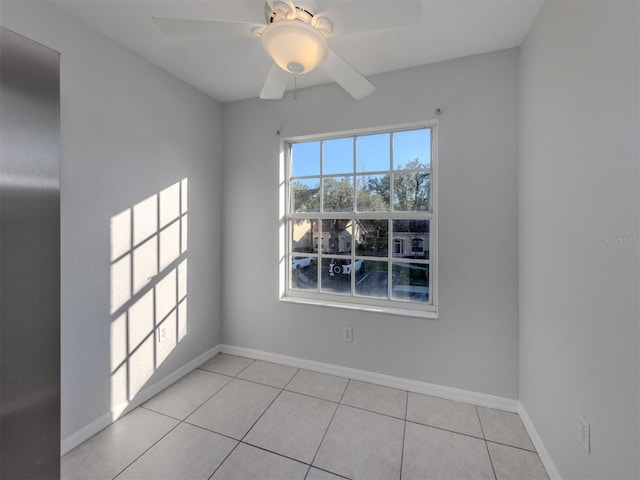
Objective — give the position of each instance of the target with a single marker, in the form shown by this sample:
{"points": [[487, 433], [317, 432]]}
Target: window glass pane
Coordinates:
{"points": [[337, 236], [336, 275], [305, 194], [412, 148], [304, 273], [372, 279], [369, 256], [372, 238], [373, 193], [303, 233], [305, 159], [337, 156], [411, 238], [372, 153], [411, 191], [410, 281], [338, 194]]}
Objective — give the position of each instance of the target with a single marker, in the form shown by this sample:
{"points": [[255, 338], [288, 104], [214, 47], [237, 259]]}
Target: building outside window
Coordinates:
{"points": [[349, 197]]}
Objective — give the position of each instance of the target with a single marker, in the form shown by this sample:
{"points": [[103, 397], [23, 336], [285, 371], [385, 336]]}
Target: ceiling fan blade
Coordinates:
{"points": [[188, 27], [347, 77], [366, 16], [275, 83]]}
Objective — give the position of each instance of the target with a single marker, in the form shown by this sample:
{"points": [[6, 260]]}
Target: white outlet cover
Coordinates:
{"points": [[584, 432], [347, 334]]}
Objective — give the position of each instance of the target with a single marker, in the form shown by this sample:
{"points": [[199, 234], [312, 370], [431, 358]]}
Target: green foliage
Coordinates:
{"points": [[338, 194], [411, 189], [411, 192], [374, 194], [305, 199]]}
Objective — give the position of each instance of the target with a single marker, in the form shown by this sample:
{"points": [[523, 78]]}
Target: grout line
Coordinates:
{"points": [[258, 383], [150, 447], [513, 446], [274, 453], [217, 373], [333, 415], [480, 422], [248, 364], [224, 460], [344, 391], [290, 380], [227, 374], [327, 471], [373, 411], [445, 430], [155, 411], [184, 421], [486, 444], [308, 395], [180, 422], [208, 398], [267, 385], [327, 429], [211, 431], [404, 433], [261, 415]]}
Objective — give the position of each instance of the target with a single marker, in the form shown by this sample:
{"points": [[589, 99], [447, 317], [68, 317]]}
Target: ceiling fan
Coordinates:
{"points": [[295, 36]]}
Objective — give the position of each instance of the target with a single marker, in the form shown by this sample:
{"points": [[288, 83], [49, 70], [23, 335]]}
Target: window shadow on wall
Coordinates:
{"points": [[148, 302]]}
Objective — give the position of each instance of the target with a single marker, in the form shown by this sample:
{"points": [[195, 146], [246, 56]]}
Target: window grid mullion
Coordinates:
{"points": [[399, 215], [390, 240], [319, 260], [354, 163], [354, 216], [321, 192], [390, 249], [320, 241]]}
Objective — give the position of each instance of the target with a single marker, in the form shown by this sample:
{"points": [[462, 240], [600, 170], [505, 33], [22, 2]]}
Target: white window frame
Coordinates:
{"points": [[351, 301]]}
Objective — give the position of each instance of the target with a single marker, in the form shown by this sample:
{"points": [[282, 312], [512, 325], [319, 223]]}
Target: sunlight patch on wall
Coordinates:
{"points": [[148, 288]]}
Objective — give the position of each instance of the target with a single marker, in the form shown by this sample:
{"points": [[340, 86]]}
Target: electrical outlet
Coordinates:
{"points": [[584, 432], [347, 334], [163, 334]]}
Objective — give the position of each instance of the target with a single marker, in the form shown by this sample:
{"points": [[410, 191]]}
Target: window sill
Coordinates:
{"points": [[405, 312]]}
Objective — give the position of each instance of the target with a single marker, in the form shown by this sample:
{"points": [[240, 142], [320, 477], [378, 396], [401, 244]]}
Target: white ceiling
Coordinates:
{"points": [[233, 67]]}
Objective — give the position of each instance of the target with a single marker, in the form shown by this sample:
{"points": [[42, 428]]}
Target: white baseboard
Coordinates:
{"points": [[551, 468], [72, 441], [466, 396]]}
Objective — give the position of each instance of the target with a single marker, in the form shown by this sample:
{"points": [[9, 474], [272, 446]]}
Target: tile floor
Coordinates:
{"points": [[239, 418]]}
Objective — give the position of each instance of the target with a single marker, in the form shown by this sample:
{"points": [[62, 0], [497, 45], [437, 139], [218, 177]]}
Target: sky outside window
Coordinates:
{"points": [[305, 159], [337, 156], [372, 153], [412, 144]]}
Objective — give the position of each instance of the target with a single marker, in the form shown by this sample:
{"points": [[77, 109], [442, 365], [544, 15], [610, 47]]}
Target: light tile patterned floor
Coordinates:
{"points": [[239, 418]]}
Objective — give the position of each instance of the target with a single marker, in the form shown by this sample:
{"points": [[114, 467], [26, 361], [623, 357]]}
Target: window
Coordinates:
{"points": [[348, 199]]}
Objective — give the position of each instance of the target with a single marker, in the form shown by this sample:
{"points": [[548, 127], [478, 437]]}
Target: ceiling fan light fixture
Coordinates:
{"points": [[295, 46]]}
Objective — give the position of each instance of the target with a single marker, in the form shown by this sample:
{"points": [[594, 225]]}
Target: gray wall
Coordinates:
{"points": [[579, 213], [474, 343], [128, 130]]}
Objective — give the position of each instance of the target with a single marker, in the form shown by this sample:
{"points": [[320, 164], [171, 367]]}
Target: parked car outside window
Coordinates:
{"points": [[337, 268], [298, 263]]}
